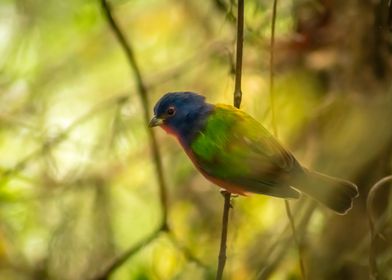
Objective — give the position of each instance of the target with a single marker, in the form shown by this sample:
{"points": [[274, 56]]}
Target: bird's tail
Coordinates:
{"points": [[335, 193]]}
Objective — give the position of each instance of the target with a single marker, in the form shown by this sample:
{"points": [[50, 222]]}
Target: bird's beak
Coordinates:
{"points": [[155, 122]]}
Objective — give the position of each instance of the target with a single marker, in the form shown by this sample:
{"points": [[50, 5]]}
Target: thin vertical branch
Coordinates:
{"points": [[237, 103], [389, 19], [296, 239], [275, 131], [142, 91], [374, 274], [272, 70], [222, 250], [238, 64]]}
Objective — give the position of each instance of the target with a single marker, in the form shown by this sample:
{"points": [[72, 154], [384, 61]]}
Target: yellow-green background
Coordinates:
{"points": [[78, 184]]}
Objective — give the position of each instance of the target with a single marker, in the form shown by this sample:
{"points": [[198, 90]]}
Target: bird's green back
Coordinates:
{"points": [[234, 146]]}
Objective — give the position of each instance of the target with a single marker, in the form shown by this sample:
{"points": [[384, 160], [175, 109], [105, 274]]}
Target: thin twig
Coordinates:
{"points": [[389, 19], [186, 252], [222, 250], [238, 64], [237, 103], [296, 239], [277, 250], [59, 138], [272, 70], [374, 274], [164, 76], [121, 259], [118, 261], [275, 130], [142, 91]]}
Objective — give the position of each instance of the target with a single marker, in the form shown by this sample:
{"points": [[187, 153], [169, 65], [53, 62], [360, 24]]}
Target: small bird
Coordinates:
{"points": [[234, 151]]}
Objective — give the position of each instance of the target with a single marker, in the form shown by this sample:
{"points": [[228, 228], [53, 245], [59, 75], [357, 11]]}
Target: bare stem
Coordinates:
{"points": [[275, 131], [237, 103], [222, 250], [238, 64], [142, 91], [374, 274]]}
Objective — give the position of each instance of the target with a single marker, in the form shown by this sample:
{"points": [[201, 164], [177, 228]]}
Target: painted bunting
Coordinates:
{"points": [[235, 152]]}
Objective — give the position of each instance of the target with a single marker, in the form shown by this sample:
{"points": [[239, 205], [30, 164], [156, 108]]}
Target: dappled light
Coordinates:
{"points": [[89, 191]]}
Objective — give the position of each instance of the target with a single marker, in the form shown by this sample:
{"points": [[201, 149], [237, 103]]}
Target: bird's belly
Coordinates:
{"points": [[224, 184], [230, 187]]}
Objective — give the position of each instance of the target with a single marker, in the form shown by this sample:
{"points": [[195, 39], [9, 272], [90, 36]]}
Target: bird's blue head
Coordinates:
{"points": [[183, 114]]}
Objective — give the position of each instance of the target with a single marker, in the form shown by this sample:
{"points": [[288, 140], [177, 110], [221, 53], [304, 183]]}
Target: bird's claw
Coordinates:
{"points": [[224, 192]]}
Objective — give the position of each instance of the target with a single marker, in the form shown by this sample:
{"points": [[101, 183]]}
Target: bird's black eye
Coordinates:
{"points": [[170, 111]]}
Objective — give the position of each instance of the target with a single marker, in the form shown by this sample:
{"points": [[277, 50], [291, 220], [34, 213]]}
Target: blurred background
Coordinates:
{"points": [[78, 185]]}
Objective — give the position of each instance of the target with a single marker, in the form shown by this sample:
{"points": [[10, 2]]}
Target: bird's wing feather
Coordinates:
{"points": [[235, 148]]}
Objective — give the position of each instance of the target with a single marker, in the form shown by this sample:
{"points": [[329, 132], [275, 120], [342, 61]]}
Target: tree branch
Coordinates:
{"points": [[275, 130], [222, 249], [237, 103], [238, 64], [389, 19], [59, 138], [121, 259], [153, 81], [272, 70], [142, 91]]}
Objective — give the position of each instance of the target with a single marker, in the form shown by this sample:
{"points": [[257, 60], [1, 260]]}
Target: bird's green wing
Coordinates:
{"points": [[235, 148]]}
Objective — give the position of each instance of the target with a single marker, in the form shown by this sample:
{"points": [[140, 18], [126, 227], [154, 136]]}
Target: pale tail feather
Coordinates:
{"points": [[337, 194]]}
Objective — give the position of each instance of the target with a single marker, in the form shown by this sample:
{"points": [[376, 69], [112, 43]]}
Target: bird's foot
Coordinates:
{"points": [[225, 193]]}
